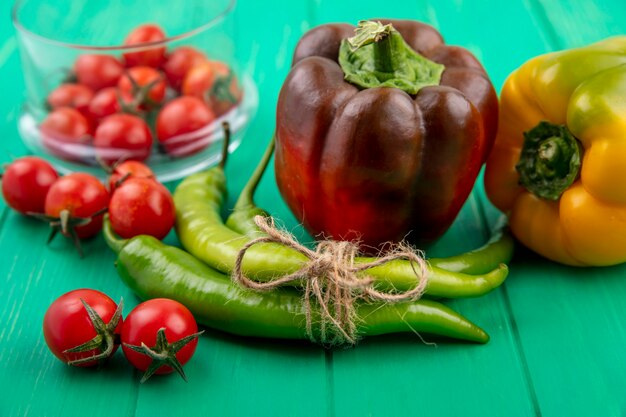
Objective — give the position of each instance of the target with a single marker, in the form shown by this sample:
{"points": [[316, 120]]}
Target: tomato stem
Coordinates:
{"points": [[163, 353], [66, 224], [104, 341]]}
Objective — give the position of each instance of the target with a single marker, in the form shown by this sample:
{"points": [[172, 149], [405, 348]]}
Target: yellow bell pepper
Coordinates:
{"points": [[558, 167]]}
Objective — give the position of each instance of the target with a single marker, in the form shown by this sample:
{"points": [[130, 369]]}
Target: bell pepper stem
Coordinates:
{"points": [[246, 197], [384, 53], [550, 160], [378, 56]]}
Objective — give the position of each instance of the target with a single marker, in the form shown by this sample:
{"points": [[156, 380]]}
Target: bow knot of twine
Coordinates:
{"points": [[333, 280]]}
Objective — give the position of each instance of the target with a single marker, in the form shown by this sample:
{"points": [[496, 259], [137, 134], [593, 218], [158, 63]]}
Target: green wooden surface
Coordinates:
{"points": [[558, 343]]}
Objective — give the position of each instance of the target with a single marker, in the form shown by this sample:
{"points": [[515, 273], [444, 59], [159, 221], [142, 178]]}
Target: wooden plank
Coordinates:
{"points": [[396, 374], [571, 325], [571, 320]]}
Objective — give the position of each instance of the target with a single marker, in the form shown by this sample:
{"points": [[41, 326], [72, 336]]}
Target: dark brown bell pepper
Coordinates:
{"points": [[380, 137]]}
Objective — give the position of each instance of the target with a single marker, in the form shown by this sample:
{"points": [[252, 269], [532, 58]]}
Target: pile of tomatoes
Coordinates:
{"points": [[74, 204], [84, 327], [113, 109]]}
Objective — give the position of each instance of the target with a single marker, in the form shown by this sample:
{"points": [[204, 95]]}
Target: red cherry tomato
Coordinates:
{"points": [[98, 71], [122, 136], [64, 132], [82, 195], [104, 103], [126, 170], [25, 184], [145, 34], [72, 95], [179, 62], [67, 325], [215, 83], [178, 125], [143, 323], [142, 206], [148, 87]]}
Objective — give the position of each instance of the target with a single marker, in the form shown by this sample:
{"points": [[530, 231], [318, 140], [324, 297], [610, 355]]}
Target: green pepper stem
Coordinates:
{"points": [[550, 160], [384, 54], [114, 242], [226, 143], [378, 56], [246, 197]]}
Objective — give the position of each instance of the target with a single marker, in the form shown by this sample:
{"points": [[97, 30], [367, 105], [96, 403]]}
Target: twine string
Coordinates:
{"points": [[332, 280]]}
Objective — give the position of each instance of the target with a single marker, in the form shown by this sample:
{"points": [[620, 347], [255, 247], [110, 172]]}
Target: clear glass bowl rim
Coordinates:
{"points": [[230, 5]]}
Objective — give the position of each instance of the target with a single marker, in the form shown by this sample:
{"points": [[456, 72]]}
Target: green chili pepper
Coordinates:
{"points": [[202, 232], [152, 269], [497, 250]]}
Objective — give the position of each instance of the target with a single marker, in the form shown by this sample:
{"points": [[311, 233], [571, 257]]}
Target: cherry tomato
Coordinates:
{"points": [[26, 182], [72, 95], [148, 87], [98, 71], [215, 83], [143, 323], [64, 131], [179, 62], [67, 325], [122, 136], [126, 170], [104, 103], [81, 195], [142, 206], [145, 34], [178, 125]]}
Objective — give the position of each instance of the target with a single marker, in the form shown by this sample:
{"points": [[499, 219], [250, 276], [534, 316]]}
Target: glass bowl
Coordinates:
{"points": [[53, 35]]}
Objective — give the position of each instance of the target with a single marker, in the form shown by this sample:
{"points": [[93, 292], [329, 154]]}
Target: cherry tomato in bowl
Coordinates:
{"points": [[121, 137], [181, 126], [25, 184], [142, 87], [215, 83], [153, 55], [77, 96], [98, 71], [179, 62], [67, 325], [162, 321], [66, 133], [104, 103], [142, 206]]}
